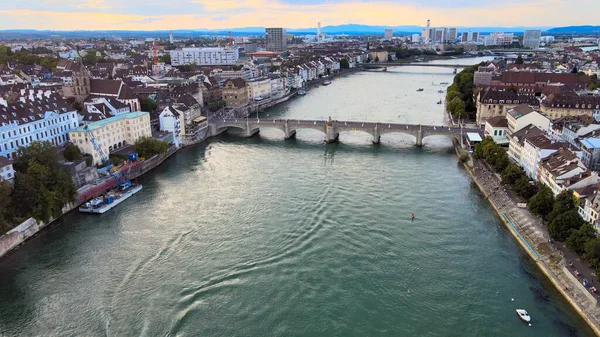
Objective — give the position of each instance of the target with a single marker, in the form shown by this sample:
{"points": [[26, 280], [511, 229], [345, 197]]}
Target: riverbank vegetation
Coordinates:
{"points": [[459, 96], [40, 190], [146, 147], [560, 215]]}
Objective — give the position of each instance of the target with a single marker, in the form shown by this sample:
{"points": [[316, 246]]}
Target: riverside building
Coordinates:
{"points": [[37, 116], [112, 133]]}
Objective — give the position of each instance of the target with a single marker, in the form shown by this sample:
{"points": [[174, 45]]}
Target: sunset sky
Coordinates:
{"points": [[209, 14]]}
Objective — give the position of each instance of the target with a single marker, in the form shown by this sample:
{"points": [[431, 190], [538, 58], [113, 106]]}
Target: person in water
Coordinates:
{"points": [[413, 216]]}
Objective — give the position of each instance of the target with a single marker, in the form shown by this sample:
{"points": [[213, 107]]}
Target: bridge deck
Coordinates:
{"points": [[352, 125]]}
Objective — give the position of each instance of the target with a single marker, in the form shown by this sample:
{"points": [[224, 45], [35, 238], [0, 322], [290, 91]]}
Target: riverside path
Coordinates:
{"points": [[332, 128]]}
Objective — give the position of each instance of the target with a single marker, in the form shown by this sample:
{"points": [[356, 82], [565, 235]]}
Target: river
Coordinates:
{"points": [[266, 237]]}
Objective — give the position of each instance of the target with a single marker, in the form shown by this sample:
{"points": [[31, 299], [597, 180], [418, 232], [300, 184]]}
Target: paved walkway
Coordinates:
{"points": [[553, 257]]}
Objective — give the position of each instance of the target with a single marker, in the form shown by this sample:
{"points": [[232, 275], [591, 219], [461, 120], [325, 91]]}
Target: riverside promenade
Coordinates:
{"points": [[531, 234]]}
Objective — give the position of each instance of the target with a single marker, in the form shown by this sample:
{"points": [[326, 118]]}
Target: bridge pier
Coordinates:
{"points": [[289, 133], [420, 137], [376, 135], [330, 135]]}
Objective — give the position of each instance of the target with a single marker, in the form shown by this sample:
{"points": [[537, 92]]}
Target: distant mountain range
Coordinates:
{"points": [[349, 29], [575, 30]]}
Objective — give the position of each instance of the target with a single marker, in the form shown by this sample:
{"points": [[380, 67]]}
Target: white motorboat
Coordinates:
{"points": [[524, 316]]}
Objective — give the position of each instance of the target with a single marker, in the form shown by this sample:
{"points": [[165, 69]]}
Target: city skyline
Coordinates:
{"points": [[224, 14]]}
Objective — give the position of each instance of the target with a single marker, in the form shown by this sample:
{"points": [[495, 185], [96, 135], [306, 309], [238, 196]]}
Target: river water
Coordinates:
{"points": [[266, 237]]}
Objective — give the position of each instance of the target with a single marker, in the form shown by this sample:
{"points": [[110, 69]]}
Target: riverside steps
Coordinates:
{"points": [[333, 128]]}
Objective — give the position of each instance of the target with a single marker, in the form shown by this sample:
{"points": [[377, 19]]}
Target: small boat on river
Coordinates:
{"points": [[326, 82], [420, 89], [301, 92], [524, 316]]}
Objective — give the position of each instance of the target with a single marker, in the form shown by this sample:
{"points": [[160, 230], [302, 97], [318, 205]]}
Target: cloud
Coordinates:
{"points": [[220, 14]]}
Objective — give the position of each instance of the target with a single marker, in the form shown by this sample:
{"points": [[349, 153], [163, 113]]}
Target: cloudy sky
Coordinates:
{"points": [[217, 14]]}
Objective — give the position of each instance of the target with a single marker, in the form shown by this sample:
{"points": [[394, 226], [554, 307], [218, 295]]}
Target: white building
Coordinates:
{"points": [[497, 128], [534, 150], [531, 39], [205, 56], [6, 169], [563, 170], [590, 148], [415, 38], [172, 121], [522, 115], [41, 116], [112, 133], [517, 140]]}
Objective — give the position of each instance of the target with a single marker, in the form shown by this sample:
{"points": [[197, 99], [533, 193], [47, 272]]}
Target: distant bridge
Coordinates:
{"points": [[332, 128], [387, 65]]}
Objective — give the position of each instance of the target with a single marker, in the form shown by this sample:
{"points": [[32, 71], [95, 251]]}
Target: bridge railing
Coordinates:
{"points": [[336, 123]]}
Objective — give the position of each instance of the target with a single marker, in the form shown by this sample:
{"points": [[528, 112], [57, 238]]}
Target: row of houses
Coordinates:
{"points": [[563, 155]]}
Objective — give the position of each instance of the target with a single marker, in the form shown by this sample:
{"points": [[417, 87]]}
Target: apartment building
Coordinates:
{"points": [[205, 56], [112, 133], [276, 39], [40, 116]]}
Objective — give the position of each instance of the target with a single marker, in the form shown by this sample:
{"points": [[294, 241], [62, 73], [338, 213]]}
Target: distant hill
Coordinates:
{"points": [[575, 30]]}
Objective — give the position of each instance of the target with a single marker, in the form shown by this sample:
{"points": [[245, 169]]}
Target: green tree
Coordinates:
{"points": [[376, 58], [41, 152], [456, 107], [564, 202], [166, 58], [592, 252], [76, 106], [5, 201], [561, 227], [519, 59], [148, 105], [72, 153], [524, 188], [579, 237], [542, 202], [90, 57], [147, 147], [450, 95], [510, 174], [344, 64]]}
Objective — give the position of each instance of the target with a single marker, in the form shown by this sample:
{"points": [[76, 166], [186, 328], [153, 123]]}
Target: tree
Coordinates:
{"points": [[519, 60], [42, 192], [5, 191], [376, 58], [450, 95], [148, 105], [525, 189], [510, 174], [90, 57], [592, 252], [76, 106], [561, 227], [564, 202], [389, 58], [579, 237], [344, 64], [542, 202], [72, 153], [166, 58], [456, 107], [41, 152], [147, 147]]}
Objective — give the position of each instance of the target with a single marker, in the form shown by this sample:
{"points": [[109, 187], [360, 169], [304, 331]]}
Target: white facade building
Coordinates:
{"points": [[205, 56], [6, 169], [41, 116], [522, 115], [172, 121]]}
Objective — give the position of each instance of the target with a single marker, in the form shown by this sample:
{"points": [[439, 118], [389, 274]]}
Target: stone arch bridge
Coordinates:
{"points": [[332, 128]]}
